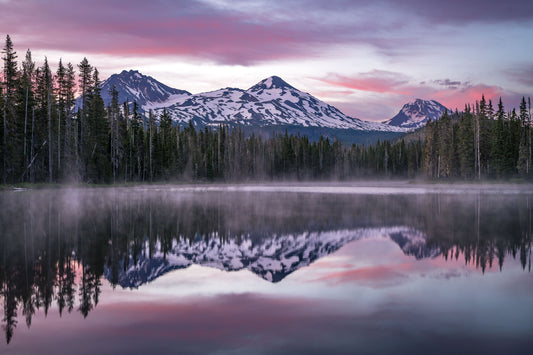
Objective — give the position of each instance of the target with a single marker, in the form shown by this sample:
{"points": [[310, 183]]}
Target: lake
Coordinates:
{"points": [[366, 268]]}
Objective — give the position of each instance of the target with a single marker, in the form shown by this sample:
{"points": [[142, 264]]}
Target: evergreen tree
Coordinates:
{"points": [[9, 113], [523, 164], [498, 142], [85, 84], [466, 149], [49, 92], [41, 164], [70, 131], [27, 97], [116, 132], [99, 159]]}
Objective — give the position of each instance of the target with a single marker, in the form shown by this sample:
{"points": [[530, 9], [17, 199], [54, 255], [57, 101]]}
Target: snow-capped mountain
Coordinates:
{"points": [[270, 103], [416, 114], [134, 86], [272, 258]]}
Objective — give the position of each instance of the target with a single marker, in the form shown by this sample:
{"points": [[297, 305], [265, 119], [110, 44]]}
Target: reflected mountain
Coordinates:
{"points": [[271, 258], [57, 245], [414, 243]]}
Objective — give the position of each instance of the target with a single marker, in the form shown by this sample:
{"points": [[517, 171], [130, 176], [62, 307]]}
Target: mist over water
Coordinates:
{"points": [[74, 252]]}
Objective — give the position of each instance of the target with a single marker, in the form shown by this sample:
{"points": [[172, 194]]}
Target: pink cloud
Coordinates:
{"points": [[457, 98], [454, 94], [235, 34], [229, 35], [395, 89], [375, 81], [183, 28]]}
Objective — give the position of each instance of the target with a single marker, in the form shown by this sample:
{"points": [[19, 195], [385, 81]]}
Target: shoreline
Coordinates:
{"points": [[332, 187]]}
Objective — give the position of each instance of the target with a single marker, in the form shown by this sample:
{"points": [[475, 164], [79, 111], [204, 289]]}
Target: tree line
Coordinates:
{"points": [[56, 128], [480, 142]]}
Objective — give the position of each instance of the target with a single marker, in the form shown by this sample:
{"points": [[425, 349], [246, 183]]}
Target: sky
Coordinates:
{"points": [[365, 57]]}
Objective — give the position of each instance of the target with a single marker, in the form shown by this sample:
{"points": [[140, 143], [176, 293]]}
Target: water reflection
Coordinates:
{"points": [[57, 246]]}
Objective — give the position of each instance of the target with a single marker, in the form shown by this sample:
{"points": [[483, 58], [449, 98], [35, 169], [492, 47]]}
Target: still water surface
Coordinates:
{"points": [[367, 269]]}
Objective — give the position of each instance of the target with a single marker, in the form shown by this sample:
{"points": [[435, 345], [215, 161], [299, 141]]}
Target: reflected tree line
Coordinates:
{"points": [[487, 232], [55, 246]]}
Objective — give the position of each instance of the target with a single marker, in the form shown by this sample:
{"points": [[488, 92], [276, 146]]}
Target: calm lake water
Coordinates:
{"points": [[353, 268]]}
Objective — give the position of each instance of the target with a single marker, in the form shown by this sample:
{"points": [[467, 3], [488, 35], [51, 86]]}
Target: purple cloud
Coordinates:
{"points": [[380, 81], [452, 84], [236, 33], [160, 28], [523, 75], [461, 12], [433, 11]]}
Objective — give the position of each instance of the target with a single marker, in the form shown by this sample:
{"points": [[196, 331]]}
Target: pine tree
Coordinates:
{"points": [[150, 133], [28, 69], [70, 135], [49, 97], [114, 118], [431, 150], [466, 148], [167, 150], [498, 141], [85, 85], [41, 164], [98, 155], [61, 79], [523, 163], [9, 114]]}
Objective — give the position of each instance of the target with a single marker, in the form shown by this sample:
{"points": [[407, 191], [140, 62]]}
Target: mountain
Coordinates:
{"points": [[134, 86], [271, 258], [415, 114], [271, 102], [270, 105]]}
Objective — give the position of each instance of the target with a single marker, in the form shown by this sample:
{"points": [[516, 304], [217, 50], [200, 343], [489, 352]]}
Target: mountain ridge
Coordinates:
{"points": [[271, 105], [270, 102]]}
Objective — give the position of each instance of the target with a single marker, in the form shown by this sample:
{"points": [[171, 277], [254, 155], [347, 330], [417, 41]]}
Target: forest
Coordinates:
{"points": [[57, 129]]}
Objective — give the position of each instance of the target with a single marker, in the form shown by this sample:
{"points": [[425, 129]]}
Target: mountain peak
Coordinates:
{"points": [[272, 82], [129, 74], [416, 113], [134, 86], [421, 102]]}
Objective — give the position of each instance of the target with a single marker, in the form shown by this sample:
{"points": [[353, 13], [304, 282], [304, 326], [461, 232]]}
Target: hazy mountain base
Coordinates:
{"points": [[347, 136]]}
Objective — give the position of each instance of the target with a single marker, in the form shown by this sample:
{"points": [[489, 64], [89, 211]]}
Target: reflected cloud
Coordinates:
{"points": [[449, 274], [373, 276]]}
